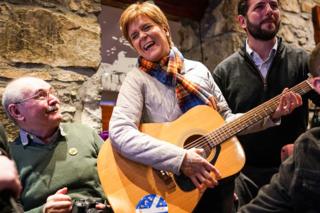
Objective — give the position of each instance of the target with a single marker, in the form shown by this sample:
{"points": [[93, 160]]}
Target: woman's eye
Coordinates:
{"points": [[134, 36], [146, 27]]}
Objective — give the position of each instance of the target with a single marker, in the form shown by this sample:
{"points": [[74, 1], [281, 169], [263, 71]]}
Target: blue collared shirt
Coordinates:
{"points": [[262, 65], [27, 138]]}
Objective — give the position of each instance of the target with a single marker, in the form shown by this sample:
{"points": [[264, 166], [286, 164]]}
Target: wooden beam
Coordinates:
{"points": [[174, 9], [316, 23], [122, 4], [192, 9]]}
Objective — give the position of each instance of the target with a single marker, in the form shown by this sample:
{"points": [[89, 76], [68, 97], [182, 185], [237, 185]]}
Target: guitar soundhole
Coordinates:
{"points": [[195, 141], [183, 181]]}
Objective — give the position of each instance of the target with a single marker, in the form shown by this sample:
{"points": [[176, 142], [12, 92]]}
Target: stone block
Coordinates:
{"points": [[35, 35]]}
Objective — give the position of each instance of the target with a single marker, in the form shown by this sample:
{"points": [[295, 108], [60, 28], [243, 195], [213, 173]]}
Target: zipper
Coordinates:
{"points": [[255, 68], [265, 84]]}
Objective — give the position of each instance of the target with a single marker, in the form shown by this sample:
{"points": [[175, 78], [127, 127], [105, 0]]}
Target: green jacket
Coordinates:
{"points": [[71, 161], [4, 148], [4, 204]]}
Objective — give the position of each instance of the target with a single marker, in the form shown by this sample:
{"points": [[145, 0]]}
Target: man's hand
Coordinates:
{"points": [[288, 102], [59, 202], [198, 169], [9, 178]]}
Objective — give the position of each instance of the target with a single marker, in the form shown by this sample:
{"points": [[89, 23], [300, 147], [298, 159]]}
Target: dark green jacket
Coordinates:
{"points": [[296, 188], [4, 149], [244, 88], [4, 204], [71, 161]]}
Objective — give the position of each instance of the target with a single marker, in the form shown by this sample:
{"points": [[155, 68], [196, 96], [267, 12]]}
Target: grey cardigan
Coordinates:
{"points": [[143, 99]]}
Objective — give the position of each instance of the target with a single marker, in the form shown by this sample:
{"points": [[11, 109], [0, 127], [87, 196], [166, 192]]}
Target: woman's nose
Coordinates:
{"points": [[143, 35]]}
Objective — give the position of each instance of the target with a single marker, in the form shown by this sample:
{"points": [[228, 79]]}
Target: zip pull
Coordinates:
{"points": [[265, 85]]}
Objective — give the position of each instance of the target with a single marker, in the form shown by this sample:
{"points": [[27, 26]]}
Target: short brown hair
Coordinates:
{"points": [[243, 7], [143, 9]]}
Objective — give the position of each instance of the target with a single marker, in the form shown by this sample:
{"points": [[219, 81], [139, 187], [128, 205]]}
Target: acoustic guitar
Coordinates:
{"points": [[127, 183]]}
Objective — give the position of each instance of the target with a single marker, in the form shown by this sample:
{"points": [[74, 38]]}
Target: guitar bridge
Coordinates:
{"points": [[167, 178]]}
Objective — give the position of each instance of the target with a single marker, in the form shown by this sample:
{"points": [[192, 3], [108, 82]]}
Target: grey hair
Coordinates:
{"points": [[15, 91]]}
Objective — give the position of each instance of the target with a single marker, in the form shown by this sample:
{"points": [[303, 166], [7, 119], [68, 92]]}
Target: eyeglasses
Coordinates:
{"points": [[40, 95]]}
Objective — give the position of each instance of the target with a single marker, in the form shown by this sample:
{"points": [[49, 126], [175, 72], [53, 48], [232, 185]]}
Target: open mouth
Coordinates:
{"points": [[148, 45], [52, 109]]}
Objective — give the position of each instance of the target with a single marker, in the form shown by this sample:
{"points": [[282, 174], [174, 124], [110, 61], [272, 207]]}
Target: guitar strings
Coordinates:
{"points": [[219, 135], [250, 114], [221, 131]]}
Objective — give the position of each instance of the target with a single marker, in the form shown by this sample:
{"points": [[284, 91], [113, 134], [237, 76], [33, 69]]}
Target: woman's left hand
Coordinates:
{"points": [[288, 102]]}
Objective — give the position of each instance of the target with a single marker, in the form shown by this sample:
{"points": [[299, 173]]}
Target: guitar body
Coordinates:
{"points": [[126, 182]]}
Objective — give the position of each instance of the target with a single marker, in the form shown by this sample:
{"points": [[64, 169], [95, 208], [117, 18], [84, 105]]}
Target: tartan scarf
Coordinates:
{"points": [[189, 94]]}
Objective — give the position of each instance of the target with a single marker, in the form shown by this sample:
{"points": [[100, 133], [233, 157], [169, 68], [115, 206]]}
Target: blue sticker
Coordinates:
{"points": [[152, 204]]}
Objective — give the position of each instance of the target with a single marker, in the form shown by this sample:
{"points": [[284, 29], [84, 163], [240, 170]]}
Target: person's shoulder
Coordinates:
{"points": [[228, 63], [188, 63], [135, 72], [3, 138], [4, 146], [195, 68], [75, 126], [16, 148], [308, 142], [135, 75], [234, 57], [312, 134], [293, 49]]}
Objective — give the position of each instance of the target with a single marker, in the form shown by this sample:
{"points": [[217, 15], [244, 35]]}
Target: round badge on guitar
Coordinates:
{"points": [[152, 203]]}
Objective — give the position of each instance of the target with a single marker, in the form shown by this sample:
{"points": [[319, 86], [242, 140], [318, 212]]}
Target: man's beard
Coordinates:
{"points": [[260, 34]]}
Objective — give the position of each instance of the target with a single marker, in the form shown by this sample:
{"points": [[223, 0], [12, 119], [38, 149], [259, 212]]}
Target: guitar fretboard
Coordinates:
{"points": [[251, 117]]}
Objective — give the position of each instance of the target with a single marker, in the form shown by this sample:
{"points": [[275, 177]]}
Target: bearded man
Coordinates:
{"points": [[259, 71]]}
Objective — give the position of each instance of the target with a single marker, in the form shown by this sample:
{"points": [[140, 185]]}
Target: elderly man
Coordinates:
{"points": [[9, 180], [56, 162]]}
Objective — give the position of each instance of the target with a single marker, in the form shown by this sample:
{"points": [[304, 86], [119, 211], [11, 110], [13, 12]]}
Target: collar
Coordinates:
{"points": [[251, 52], [27, 138]]}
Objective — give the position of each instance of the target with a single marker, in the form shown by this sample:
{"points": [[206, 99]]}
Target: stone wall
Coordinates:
{"points": [[56, 40], [59, 41], [221, 35]]}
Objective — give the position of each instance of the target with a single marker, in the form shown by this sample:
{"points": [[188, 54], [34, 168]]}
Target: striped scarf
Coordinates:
{"points": [[189, 94]]}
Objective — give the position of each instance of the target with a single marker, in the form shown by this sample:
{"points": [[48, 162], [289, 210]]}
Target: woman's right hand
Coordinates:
{"points": [[198, 169]]}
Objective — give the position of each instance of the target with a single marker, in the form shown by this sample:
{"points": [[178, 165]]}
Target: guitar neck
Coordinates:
{"points": [[251, 117]]}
